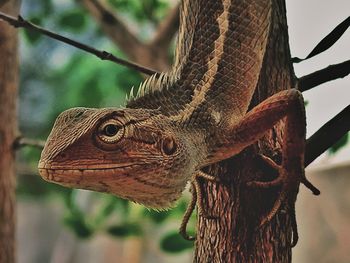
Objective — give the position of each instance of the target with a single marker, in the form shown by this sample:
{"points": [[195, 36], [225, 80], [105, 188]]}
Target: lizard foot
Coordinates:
{"points": [[289, 185], [279, 180], [286, 183], [196, 199]]}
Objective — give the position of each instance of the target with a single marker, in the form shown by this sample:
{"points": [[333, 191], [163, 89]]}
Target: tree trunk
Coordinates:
{"points": [[234, 235], [8, 125]]}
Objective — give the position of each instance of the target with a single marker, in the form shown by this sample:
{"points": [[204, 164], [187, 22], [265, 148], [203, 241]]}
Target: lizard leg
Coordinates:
{"points": [[287, 105]]}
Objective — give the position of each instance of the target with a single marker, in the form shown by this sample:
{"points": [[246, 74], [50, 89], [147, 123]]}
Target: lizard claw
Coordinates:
{"points": [[187, 236]]}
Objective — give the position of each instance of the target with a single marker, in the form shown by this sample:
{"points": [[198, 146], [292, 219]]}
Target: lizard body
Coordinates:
{"points": [[185, 119]]}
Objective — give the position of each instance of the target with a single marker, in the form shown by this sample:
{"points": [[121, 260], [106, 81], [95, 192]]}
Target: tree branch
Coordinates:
{"points": [[117, 31], [167, 29], [21, 142], [321, 76], [20, 22], [327, 135], [3, 2], [153, 54]]}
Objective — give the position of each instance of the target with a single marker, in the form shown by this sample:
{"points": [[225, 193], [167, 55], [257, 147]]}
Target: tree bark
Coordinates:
{"points": [[8, 125], [233, 235]]}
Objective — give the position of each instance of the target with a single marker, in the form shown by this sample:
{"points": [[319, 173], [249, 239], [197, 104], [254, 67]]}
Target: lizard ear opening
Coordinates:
{"points": [[169, 146]]}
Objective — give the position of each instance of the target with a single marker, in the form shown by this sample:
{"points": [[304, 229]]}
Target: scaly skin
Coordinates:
{"points": [[185, 119]]}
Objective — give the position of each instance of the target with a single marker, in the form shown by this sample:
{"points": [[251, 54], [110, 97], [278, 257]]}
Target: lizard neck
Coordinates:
{"points": [[220, 50]]}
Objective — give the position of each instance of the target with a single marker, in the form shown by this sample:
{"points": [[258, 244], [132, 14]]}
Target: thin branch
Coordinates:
{"points": [[20, 22], [327, 41], [167, 29], [22, 141], [153, 54], [321, 76], [327, 135]]}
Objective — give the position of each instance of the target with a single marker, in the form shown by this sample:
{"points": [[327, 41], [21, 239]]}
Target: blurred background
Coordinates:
{"points": [[60, 225]]}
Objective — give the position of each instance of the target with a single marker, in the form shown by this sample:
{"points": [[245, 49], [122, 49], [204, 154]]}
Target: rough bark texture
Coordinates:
{"points": [[8, 124], [233, 236]]}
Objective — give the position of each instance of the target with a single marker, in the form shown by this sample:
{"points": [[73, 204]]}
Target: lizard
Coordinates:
{"points": [[183, 120]]}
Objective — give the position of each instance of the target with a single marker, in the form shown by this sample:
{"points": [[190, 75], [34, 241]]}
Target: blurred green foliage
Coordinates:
{"points": [[73, 20], [55, 77], [142, 11]]}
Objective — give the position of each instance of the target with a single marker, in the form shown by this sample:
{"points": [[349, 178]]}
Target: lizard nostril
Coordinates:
{"points": [[169, 146]]}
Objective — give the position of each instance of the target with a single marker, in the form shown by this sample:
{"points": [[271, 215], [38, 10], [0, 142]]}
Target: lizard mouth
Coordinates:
{"points": [[120, 180], [69, 175], [54, 166], [77, 178]]}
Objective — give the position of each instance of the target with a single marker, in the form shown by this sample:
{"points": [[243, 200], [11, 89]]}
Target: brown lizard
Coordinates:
{"points": [[186, 119]]}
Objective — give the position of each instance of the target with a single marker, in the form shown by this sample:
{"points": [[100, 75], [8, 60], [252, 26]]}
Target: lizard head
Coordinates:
{"points": [[133, 153]]}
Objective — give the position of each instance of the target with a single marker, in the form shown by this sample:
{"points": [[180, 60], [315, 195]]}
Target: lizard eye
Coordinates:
{"points": [[110, 131]]}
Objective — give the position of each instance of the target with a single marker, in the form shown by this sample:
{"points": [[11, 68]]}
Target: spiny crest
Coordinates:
{"points": [[157, 82]]}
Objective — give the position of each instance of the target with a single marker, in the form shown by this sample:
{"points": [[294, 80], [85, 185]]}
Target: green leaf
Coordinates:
{"points": [[107, 208], [174, 243], [339, 144], [78, 225], [142, 11], [127, 229], [73, 20], [118, 3]]}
